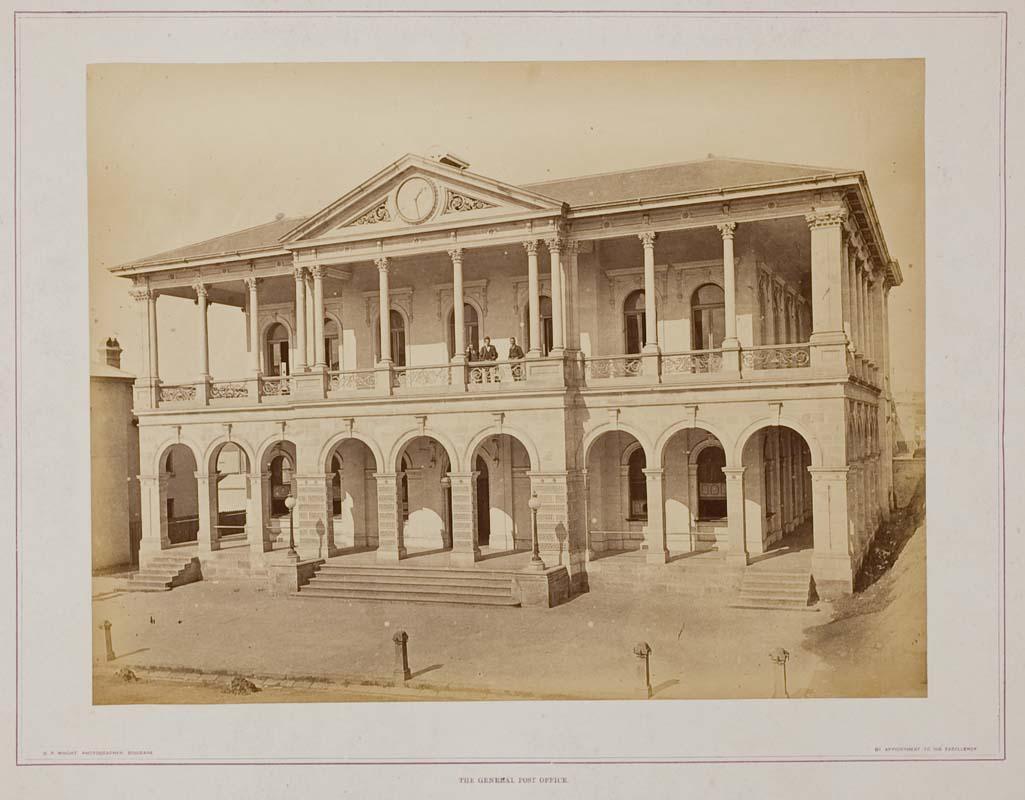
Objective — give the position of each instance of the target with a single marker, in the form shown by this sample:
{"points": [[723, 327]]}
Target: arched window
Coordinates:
{"points": [[277, 350], [708, 317], [280, 484], [638, 485], [471, 328], [634, 322], [332, 342], [545, 316], [336, 485], [398, 339]]}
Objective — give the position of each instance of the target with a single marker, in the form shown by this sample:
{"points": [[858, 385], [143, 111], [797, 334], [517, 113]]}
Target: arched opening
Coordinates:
{"points": [[398, 339], [276, 357], [502, 465], [232, 496], [708, 317], [634, 322], [777, 490], [278, 470], [180, 501], [617, 503], [695, 491], [471, 328], [425, 495], [332, 345], [353, 495], [545, 316], [711, 484]]}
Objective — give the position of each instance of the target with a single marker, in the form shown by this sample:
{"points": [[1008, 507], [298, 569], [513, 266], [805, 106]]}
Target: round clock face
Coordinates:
{"points": [[415, 199]]}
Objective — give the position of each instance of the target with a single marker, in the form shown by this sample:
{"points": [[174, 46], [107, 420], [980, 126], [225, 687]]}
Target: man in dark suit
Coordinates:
{"points": [[488, 351], [515, 351]]}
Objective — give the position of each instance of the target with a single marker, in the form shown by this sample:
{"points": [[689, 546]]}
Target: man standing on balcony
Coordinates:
{"points": [[488, 351], [515, 351]]}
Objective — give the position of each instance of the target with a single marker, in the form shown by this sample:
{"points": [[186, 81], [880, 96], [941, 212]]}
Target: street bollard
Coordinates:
{"points": [[643, 652], [401, 656], [780, 656], [106, 635]]}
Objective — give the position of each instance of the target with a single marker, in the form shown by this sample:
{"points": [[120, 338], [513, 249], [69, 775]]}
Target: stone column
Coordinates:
{"points": [[655, 548], [313, 530], [204, 344], [254, 327], [831, 561], [572, 314], [828, 339], [300, 321], [555, 247], [729, 282], [533, 299], [650, 310], [310, 321], [153, 516], [465, 551], [256, 516], [390, 546], [458, 310], [736, 553], [146, 392], [206, 488], [384, 310], [319, 351]]}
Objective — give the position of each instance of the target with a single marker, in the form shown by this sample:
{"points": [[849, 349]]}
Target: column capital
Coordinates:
{"points": [[531, 246], [726, 229], [382, 264], [252, 282], [734, 473], [456, 254], [141, 294], [299, 273], [316, 271], [654, 472], [556, 245], [826, 218], [829, 473], [200, 290], [571, 247], [647, 238]]}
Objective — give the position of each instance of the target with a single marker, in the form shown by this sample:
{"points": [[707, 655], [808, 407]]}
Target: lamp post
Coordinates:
{"points": [[290, 505], [535, 556]]}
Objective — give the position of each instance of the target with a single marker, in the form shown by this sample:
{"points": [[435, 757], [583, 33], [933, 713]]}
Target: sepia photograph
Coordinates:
{"points": [[428, 381]]}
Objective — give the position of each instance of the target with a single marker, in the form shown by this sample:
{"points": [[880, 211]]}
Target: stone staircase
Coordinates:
{"points": [[705, 573], [777, 590], [163, 572], [413, 584]]}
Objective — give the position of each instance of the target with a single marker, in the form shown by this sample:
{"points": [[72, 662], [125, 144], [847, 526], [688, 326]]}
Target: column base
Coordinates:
{"points": [[391, 555], [462, 558]]}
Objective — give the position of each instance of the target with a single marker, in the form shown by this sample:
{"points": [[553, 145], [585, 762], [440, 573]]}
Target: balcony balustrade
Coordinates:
{"points": [[756, 364]]}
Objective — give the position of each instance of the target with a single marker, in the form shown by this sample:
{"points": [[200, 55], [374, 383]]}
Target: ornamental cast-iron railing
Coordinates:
{"points": [[352, 380], [223, 390], [275, 387], [419, 377], [613, 367], [181, 393], [692, 362], [788, 356], [482, 373]]}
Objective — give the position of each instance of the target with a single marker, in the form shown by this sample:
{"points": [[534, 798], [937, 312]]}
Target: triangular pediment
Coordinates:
{"points": [[415, 192]]}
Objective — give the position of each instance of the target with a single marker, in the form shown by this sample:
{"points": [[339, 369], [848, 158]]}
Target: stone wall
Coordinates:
{"points": [[907, 472]]}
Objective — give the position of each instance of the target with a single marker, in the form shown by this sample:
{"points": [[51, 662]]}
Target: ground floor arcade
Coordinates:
{"points": [[473, 487]]}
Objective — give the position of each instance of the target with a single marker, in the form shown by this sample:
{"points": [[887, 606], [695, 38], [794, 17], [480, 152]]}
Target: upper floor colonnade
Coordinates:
{"points": [[843, 331]]}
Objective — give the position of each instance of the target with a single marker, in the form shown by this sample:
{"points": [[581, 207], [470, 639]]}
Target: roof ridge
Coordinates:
{"points": [[826, 170]]}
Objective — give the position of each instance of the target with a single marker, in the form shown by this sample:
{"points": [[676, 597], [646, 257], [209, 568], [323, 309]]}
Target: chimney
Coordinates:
{"points": [[112, 353]]}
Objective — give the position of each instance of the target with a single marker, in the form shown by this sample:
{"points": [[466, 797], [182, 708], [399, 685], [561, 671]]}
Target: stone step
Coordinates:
{"points": [[394, 586], [770, 605], [501, 583], [311, 590], [775, 590], [419, 572], [747, 593], [148, 586]]}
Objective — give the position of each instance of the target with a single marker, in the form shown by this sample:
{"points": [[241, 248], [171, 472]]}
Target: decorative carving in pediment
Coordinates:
{"points": [[456, 202], [373, 216]]}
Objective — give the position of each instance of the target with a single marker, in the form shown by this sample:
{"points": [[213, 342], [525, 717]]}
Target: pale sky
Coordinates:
{"points": [[181, 153]]}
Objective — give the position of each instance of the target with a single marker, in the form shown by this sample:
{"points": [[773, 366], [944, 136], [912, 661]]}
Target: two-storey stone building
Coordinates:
{"points": [[705, 368]]}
